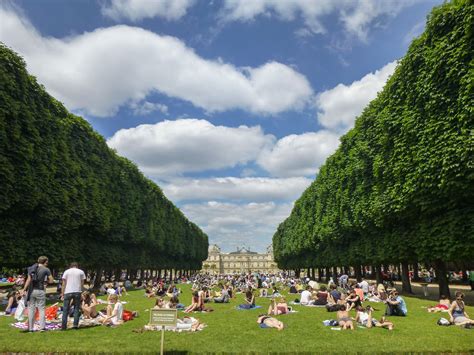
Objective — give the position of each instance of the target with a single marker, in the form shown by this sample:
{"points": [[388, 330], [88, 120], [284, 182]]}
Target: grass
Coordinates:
{"points": [[232, 331]]}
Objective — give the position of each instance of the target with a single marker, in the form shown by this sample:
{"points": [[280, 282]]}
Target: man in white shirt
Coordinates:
{"points": [[305, 298], [73, 282]]}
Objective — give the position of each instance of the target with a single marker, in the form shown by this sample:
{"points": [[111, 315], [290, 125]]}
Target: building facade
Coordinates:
{"points": [[241, 261]]}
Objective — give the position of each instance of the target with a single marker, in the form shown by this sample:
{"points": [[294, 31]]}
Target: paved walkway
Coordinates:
{"points": [[433, 292]]}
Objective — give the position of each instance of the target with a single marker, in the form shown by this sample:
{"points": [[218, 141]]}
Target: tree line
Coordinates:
{"points": [[65, 194], [400, 188]]}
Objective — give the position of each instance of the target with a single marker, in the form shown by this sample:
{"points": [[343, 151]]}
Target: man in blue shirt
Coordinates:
{"points": [[396, 305]]}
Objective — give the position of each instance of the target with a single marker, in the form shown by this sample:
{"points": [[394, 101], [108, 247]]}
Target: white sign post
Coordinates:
{"points": [[163, 317]]}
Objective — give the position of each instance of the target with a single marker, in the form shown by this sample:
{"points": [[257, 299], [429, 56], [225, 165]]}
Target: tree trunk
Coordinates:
{"points": [[297, 273], [98, 279], [464, 277], [416, 270], [378, 274], [328, 274], [441, 272], [358, 273], [334, 274], [406, 285], [320, 275]]}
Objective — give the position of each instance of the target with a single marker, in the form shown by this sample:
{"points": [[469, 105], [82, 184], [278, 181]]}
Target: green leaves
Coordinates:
{"points": [[401, 185], [66, 194]]}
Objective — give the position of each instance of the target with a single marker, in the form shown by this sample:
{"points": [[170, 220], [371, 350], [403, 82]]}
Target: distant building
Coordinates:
{"points": [[241, 260]]}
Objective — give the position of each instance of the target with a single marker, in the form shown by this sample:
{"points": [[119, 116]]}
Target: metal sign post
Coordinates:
{"points": [[163, 317]]}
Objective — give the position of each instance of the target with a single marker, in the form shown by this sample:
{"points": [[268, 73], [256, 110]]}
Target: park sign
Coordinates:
{"points": [[164, 317]]}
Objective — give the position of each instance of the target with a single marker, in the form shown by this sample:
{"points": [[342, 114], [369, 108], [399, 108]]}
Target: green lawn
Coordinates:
{"points": [[232, 331]]}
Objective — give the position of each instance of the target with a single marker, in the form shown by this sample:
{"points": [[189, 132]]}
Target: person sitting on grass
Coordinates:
{"points": [[343, 317], [224, 297], [195, 304], [457, 312], [353, 300], [396, 305], [305, 297], [277, 308], [114, 312], [159, 303], [270, 322], [13, 298], [249, 299], [364, 317], [322, 296], [442, 306], [88, 305], [149, 292]]}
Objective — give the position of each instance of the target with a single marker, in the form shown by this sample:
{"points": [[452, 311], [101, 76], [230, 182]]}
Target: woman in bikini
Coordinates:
{"points": [[270, 322], [344, 319]]}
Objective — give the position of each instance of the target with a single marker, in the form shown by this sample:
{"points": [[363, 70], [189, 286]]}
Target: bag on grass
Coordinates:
{"points": [[443, 321], [127, 315], [20, 309]]}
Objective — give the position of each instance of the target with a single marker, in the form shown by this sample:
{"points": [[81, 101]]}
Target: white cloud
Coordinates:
{"points": [[257, 189], [232, 225], [187, 145], [356, 16], [339, 106], [136, 10], [99, 71], [145, 108], [299, 155], [414, 32]]}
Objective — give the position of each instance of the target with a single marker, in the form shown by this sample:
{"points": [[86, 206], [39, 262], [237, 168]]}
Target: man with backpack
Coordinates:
{"points": [[38, 276]]}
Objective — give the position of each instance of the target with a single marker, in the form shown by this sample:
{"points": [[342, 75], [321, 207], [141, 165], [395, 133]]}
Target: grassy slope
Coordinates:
{"points": [[230, 330]]}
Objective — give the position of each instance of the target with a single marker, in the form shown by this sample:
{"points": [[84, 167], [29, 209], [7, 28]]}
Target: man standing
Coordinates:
{"points": [[73, 282], [38, 276]]}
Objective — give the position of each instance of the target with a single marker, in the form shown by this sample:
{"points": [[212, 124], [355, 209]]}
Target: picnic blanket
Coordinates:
{"points": [[49, 325], [187, 324], [307, 305], [246, 309]]}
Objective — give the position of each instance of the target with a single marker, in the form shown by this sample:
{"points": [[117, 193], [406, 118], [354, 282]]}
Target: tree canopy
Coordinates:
{"points": [[400, 187], [64, 193]]}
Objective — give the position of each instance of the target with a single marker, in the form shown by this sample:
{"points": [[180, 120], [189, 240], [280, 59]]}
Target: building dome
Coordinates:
{"points": [[214, 249]]}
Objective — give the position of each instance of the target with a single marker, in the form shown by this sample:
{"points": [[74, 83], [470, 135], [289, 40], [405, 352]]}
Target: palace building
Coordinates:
{"points": [[240, 261]]}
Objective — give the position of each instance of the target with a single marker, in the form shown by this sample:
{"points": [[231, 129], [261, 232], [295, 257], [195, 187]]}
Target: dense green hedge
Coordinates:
{"points": [[65, 194], [400, 188]]}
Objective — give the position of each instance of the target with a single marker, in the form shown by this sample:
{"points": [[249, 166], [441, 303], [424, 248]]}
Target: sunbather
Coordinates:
{"points": [[277, 308], [364, 317], [270, 322], [457, 312], [344, 319], [442, 306], [88, 305]]}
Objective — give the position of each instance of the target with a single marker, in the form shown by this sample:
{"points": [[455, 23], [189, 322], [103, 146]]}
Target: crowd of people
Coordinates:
{"points": [[347, 299]]}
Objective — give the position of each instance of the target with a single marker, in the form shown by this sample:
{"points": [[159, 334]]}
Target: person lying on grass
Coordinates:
{"points": [[457, 312], [343, 317], [88, 305], [270, 322], [280, 307], [442, 306], [114, 312], [364, 317]]}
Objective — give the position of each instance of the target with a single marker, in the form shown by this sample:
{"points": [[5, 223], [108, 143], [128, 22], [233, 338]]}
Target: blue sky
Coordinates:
{"points": [[230, 106]]}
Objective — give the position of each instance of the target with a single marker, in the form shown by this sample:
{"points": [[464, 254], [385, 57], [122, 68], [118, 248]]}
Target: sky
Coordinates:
{"points": [[230, 106]]}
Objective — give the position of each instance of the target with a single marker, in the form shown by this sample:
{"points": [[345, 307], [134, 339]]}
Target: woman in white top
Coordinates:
{"points": [[114, 311], [364, 318]]}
